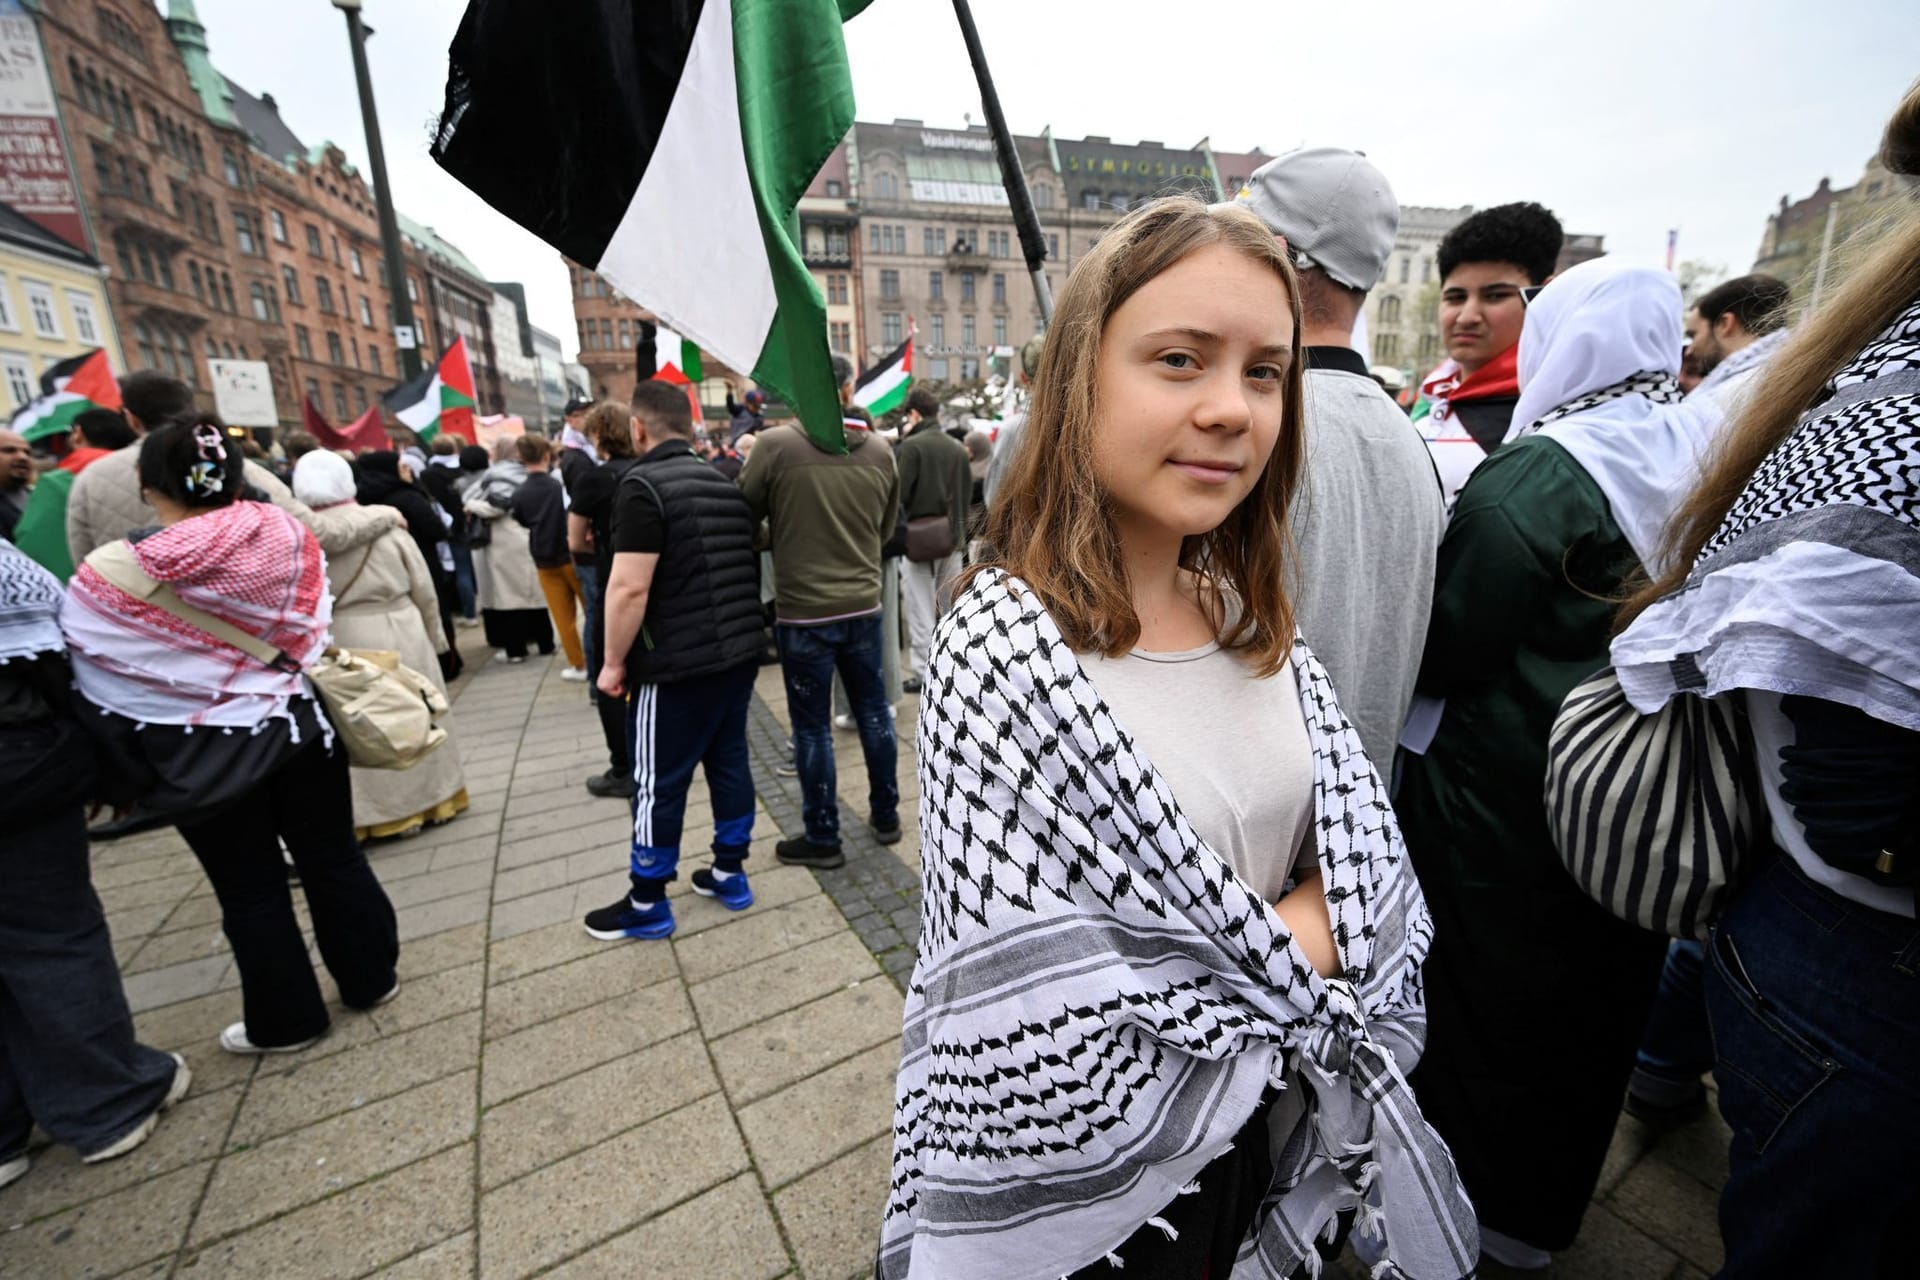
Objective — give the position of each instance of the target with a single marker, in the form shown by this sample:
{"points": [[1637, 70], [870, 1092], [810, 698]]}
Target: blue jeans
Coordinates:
{"points": [[591, 635], [1815, 1007], [1677, 1048], [463, 579], [672, 729], [809, 656]]}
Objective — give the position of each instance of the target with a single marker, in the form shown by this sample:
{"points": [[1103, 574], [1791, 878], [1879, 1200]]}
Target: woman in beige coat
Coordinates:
{"points": [[383, 598], [512, 604]]}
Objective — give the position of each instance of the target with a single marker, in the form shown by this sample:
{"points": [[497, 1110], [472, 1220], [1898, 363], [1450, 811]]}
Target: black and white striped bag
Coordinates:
{"points": [[1653, 815]]}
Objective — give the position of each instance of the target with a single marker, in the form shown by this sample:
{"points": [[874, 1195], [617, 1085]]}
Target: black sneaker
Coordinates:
{"points": [[627, 919], [911, 685], [802, 852], [886, 835], [610, 785]]}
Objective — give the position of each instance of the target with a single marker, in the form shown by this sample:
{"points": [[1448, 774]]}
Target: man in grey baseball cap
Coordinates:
{"points": [[1368, 516]]}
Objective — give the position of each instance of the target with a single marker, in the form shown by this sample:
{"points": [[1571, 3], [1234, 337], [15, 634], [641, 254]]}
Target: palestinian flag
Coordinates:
{"points": [[883, 388], [440, 395], [67, 390], [679, 359], [672, 163]]}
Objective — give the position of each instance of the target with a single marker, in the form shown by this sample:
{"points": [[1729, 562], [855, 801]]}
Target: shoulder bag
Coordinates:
{"points": [[1654, 815], [383, 710]]}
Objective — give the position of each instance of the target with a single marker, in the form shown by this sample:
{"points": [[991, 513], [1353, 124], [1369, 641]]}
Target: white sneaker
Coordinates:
{"points": [[499, 655], [234, 1040], [844, 722], [575, 674], [11, 1171], [182, 1080], [466, 623]]}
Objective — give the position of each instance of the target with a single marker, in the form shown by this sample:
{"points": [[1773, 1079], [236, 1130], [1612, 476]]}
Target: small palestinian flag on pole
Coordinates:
{"points": [[679, 359], [439, 396], [671, 165], [883, 388], [67, 390]]}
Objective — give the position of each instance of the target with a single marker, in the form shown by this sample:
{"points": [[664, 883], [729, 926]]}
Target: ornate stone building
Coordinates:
{"points": [[1801, 232]]}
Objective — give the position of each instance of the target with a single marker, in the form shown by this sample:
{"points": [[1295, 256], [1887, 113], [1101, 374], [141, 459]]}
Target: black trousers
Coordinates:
{"points": [[68, 1057], [308, 803]]}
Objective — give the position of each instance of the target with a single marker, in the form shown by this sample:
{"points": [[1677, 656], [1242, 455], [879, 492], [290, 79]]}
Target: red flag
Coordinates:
{"points": [[366, 432]]}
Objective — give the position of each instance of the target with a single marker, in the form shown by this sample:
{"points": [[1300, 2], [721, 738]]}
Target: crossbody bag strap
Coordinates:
{"points": [[365, 560], [116, 563]]}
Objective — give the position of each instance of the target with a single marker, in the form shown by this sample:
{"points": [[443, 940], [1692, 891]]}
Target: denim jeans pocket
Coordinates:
{"points": [[1766, 1068]]}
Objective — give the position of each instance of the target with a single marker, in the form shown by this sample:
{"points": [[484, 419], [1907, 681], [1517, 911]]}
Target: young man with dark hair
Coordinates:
{"points": [[936, 479], [682, 648], [1486, 263], [1731, 331], [831, 513]]}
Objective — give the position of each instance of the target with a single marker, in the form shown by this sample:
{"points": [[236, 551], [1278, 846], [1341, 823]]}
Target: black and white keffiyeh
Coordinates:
{"points": [[1100, 1003], [29, 607], [1812, 583], [1744, 361], [1656, 387]]}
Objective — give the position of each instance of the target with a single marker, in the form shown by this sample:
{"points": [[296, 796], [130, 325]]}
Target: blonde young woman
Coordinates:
{"points": [[1170, 947]]}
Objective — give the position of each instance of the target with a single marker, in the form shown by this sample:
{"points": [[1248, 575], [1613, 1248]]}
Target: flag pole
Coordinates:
{"points": [[1033, 245]]}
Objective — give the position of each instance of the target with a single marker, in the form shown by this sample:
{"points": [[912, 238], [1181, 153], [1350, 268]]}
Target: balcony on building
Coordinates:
{"points": [[135, 216], [155, 302], [967, 257]]}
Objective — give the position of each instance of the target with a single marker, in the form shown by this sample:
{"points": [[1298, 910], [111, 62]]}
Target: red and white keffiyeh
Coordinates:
{"points": [[249, 564]]}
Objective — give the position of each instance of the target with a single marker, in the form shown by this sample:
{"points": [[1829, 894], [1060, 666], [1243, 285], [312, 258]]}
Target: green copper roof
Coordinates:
{"points": [[183, 24], [430, 240]]}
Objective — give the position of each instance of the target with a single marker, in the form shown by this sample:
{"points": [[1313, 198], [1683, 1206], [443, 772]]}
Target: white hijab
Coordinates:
{"points": [[1594, 327], [323, 479]]}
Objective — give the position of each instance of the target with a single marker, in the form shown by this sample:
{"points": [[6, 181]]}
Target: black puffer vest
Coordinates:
{"points": [[703, 610]]}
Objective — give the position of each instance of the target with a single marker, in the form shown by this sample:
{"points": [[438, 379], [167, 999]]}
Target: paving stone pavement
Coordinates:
{"points": [[717, 1107]]}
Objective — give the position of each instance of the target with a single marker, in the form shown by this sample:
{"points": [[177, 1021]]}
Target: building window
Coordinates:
{"points": [[606, 335], [143, 338], [291, 278], [834, 188], [1043, 196], [323, 292], [890, 286], [19, 374], [966, 286], [936, 286], [359, 398], [1053, 246], [626, 335], [313, 391], [926, 241], [193, 279], [313, 241], [46, 321], [257, 295], [7, 321], [184, 350], [966, 330], [939, 329], [1000, 288], [873, 237], [243, 234], [999, 331], [969, 369], [937, 370], [1406, 269], [1389, 310], [303, 342], [229, 168], [1387, 347], [891, 333], [336, 354], [359, 264], [1089, 199], [940, 241], [840, 336], [1426, 271], [353, 349], [340, 401], [837, 289], [278, 221], [115, 31], [85, 327], [373, 358], [413, 291], [226, 290], [366, 311], [886, 187]]}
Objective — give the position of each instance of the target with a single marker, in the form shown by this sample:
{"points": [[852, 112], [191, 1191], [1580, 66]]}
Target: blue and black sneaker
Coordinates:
{"points": [[732, 891], [628, 919]]}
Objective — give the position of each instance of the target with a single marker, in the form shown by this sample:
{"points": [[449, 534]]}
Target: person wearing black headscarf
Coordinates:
{"points": [[384, 479]]}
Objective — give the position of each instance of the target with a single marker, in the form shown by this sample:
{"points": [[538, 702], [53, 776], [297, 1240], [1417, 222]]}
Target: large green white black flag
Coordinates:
{"points": [[665, 144]]}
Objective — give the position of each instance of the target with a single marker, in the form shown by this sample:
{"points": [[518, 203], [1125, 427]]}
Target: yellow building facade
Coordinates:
{"points": [[53, 305]]}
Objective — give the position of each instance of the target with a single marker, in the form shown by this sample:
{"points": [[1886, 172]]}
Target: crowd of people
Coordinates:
{"points": [[1247, 932]]}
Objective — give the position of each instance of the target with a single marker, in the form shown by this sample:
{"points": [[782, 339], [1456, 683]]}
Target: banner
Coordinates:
{"points": [[35, 177]]}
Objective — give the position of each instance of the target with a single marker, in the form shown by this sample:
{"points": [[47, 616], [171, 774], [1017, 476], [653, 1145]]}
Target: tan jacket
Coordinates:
{"points": [[105, 506]]}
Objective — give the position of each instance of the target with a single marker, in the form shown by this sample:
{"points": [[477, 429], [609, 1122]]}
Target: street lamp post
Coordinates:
{"points": [[406, 337]]}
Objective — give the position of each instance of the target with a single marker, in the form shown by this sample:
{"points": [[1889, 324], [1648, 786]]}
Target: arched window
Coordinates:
{"points": [[886, 186], [1043, 196]]}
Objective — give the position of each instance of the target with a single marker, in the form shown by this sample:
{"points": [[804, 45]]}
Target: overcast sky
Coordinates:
{"points": [[1626, 117]]}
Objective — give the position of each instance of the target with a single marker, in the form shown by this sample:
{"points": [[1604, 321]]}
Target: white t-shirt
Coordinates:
{"points": [[1233, 748]]}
